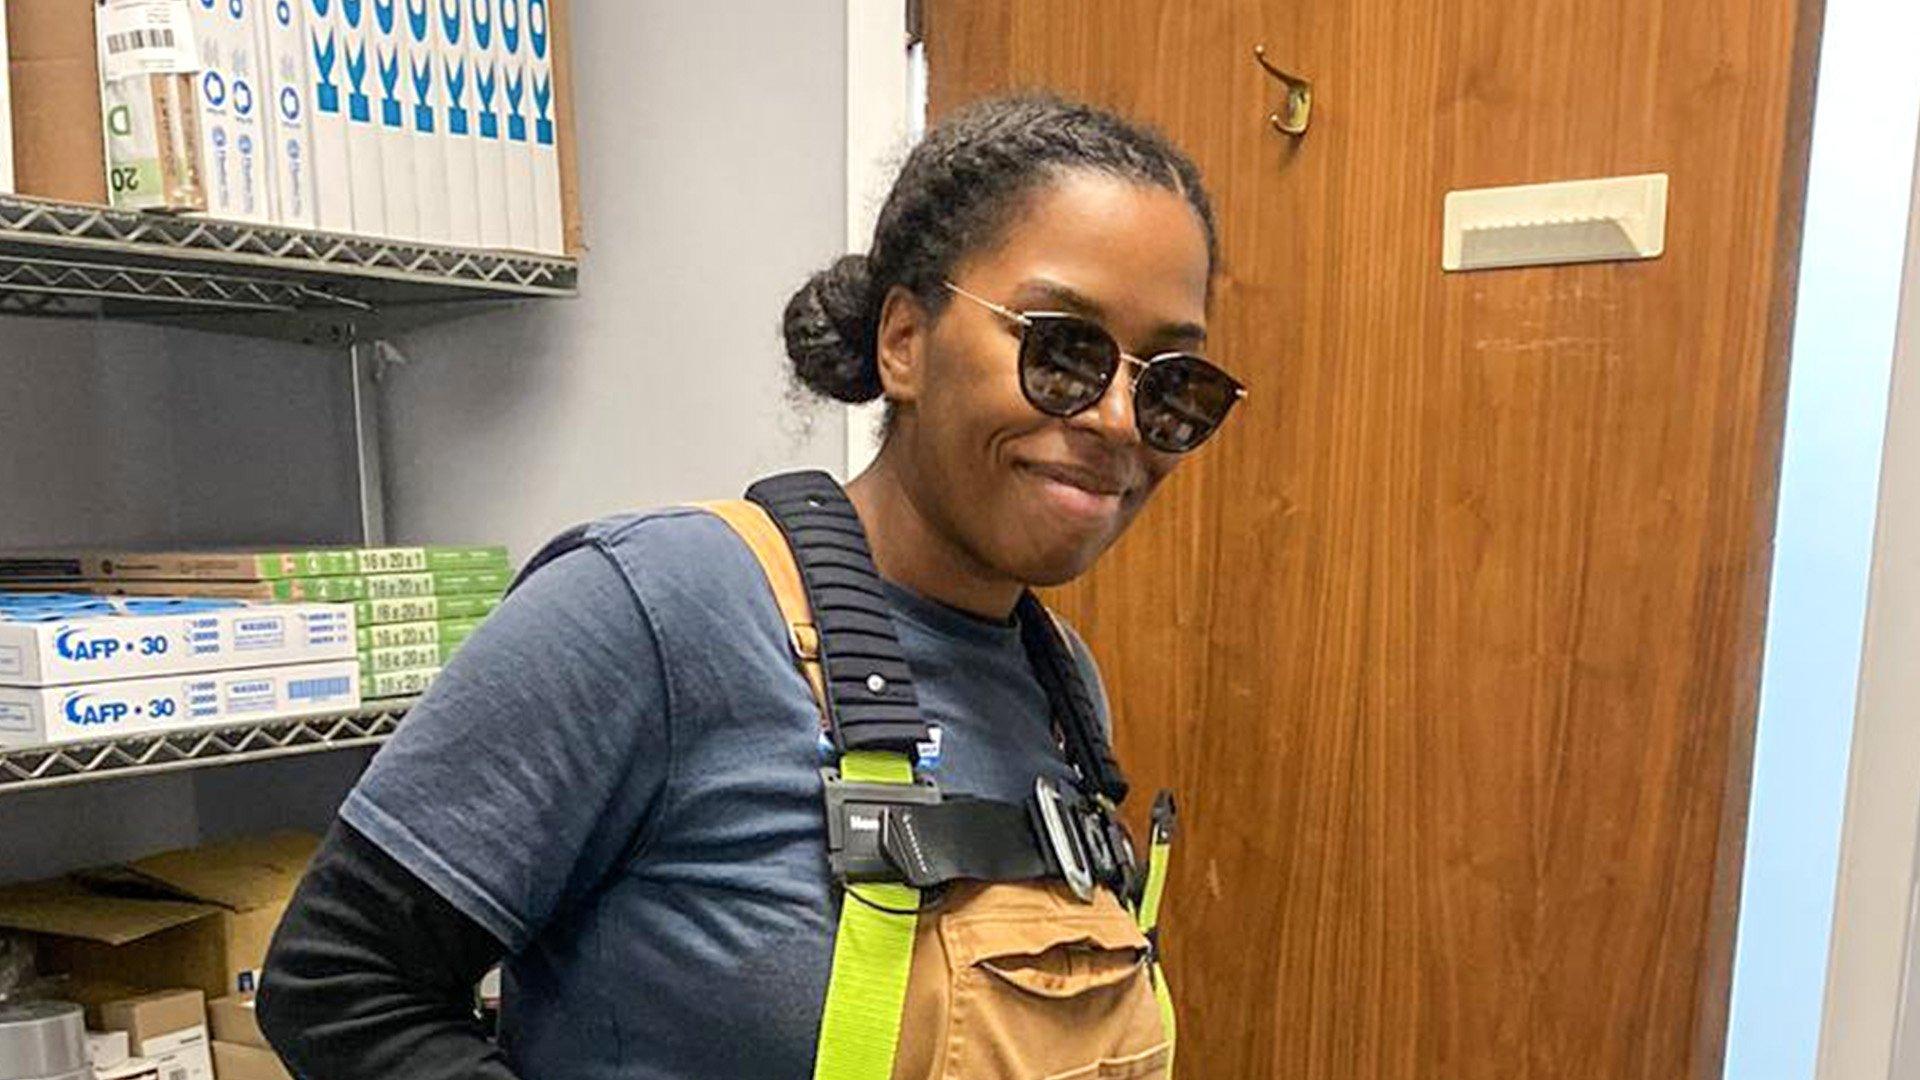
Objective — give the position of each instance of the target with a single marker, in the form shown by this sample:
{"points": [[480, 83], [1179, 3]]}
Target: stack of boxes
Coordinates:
{"points": [[75, 668], [406, 609], [432, 121]]}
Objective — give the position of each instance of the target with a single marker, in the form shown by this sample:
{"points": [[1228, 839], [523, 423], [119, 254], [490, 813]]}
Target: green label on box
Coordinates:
{"points": [[493, 557], [399, 635], [321, 589], [399, 586], [401, 560], [392, 684]]}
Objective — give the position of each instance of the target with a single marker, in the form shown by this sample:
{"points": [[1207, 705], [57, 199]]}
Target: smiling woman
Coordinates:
{"points": [[618, 784]]}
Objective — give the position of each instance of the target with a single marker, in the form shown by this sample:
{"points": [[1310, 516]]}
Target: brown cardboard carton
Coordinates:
{"points": [[235, 1021], [168, 1027], [59, 145], [231, 1061], [200, 918]]}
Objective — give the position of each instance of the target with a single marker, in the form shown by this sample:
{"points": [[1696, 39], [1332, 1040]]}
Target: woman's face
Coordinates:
{"points": [[1029, 496]]}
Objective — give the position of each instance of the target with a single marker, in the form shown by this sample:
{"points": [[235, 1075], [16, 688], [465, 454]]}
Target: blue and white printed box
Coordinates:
{"points": [[327, 66], [367, 180], [550, 227], [459, 131], [426, 104], [394, 111], [44, 716], [233, 134], [516, 59], [56, 640], [289, 114], [486, 57]]}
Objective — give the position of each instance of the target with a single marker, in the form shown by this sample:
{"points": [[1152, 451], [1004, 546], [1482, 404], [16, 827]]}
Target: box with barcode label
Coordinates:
{"points": [[93, 639], [289, 113], [233, 134], [150, 66], [366, 179], [486, 54], [43, 716]]}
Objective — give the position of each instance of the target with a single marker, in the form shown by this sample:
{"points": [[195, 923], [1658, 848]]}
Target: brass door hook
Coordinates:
{"points": [[1293, 117]]}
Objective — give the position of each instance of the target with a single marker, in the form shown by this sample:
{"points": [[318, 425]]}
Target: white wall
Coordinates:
{"points": [[712, 151], [1875, 952]]}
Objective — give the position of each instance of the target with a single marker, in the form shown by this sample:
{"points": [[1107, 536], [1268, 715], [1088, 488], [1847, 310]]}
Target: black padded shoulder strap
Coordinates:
{"points": [[871, 703], [1073, 710]]}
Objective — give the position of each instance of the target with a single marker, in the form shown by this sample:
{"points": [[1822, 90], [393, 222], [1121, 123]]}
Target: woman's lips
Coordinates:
{"points": [[1077, 492]]}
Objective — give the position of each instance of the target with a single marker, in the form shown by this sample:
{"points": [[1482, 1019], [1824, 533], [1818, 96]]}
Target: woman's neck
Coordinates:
{"points": [[911, 550]]}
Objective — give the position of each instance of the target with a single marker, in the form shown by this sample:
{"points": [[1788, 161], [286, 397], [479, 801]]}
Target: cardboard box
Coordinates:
{"points": [[573, 226], [396, 137], [399, 684], [523, 228], [233, 130], [45, 716], [423, 609], [108, 1049], [57, 145], [91, 640], [131, 1068], [235, 1021], [327, 70], [236, 1062], [426, 103], [486, 55], [365, 178], [249, 565], [549, 226], [289, 114], [168, 1027], [398, 635], [458, 130], [154, 143], [6, 108], [199, 918], [374, 662]]}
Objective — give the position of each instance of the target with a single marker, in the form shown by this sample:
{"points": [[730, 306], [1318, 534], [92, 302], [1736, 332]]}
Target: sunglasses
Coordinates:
{"points": [[1067, 363]]}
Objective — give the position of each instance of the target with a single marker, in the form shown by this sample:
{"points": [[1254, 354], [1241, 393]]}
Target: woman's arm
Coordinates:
{"points": [[372, 974]]}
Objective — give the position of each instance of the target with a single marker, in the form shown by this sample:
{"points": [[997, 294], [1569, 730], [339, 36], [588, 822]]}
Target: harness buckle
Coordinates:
{"points": [[1060, 829], [858, 826]]}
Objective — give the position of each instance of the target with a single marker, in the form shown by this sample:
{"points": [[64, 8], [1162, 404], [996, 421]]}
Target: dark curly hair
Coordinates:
{"points": [[958, 190]]}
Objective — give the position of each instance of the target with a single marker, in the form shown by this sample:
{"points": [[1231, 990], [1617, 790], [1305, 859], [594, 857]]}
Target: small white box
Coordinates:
{"points": [[550, 228], [487, 56], [459, 132], [516, 56], [94, 639], [428, 104], [43, 716], [367, 181], [395, 107], [181, 1055], [233, 134], [327, 67], [289, 114], [107, 1049]]}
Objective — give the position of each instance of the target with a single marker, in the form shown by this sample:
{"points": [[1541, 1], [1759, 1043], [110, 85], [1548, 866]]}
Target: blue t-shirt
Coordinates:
{"points": [[618, 776]]}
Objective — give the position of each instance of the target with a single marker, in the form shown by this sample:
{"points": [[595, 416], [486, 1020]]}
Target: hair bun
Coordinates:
{"points": [[830, 326]]}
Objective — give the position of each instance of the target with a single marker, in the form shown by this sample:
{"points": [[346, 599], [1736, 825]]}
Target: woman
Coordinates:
{"points": [[616, 786]]}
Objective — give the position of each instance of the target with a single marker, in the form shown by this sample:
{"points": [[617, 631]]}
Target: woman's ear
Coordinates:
{"points": [[904, 326]]}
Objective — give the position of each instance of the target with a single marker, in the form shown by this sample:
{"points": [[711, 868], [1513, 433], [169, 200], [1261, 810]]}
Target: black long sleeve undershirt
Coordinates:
{"points": [[371, 975]]}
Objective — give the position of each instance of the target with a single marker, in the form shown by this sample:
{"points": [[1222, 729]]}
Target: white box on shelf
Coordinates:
{"points": [[289, 114], [233, 136], [550, 227], [458, 133], [487, 56], [423, 122], [93, 639], [366, 180], [396, 134], [50, 715], [327, 67], [516, 56]]}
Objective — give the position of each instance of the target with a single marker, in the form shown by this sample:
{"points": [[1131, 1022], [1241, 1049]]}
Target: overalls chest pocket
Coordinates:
{"points": [[1024, 982]]}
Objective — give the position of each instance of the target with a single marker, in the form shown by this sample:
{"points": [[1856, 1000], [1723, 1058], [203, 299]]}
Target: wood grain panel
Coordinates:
{"points": [[1451, 644]]}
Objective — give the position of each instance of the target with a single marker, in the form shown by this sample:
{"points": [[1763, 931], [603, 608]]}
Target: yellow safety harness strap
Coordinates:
{"points": [[873, 952], [1159, 859]]}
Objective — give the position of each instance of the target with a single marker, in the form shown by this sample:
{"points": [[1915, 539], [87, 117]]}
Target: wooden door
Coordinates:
{"points": [[1452, 643]]}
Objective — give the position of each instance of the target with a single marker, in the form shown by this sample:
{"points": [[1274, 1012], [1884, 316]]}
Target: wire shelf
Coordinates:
{"points": [[34, 768], [72, 259]]}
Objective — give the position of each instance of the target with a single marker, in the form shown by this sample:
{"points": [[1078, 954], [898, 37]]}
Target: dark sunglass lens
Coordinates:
{"points": [[1066, 364], [1180, 401]]}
